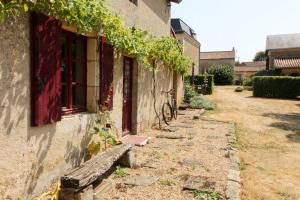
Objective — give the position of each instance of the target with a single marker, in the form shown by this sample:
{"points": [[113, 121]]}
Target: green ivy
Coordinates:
{"points": [[94, 16]]}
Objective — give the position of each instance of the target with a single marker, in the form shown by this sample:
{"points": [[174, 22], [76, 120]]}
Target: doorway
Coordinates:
{"points": [[127, 96]]}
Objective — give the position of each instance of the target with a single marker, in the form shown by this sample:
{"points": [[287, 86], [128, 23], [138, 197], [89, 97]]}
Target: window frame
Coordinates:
{"points": [[69, 84]]}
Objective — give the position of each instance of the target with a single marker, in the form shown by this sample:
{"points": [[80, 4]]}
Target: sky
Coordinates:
{"points": [[243, 24]]}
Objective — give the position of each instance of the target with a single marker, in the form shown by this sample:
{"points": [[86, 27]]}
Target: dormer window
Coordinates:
{"points": [[135, 2]]}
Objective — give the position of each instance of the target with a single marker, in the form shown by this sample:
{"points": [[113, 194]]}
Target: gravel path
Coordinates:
{"points": [[168, 163]]}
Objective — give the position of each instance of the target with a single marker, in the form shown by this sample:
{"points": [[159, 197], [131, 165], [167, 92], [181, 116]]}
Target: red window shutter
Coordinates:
{"points": [[46, 70], [106, 76]]}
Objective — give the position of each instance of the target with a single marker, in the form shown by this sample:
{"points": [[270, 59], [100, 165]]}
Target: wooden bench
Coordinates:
{"points": [[86, 174]]}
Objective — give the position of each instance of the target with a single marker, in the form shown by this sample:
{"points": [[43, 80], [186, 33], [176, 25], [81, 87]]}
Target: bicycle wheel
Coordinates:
{"points": [[167, 113]]}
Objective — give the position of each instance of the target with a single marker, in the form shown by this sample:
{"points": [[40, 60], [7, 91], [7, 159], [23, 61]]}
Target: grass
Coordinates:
{"points": [[167, 182], [120, 172], [207, 195], [287, 196]]}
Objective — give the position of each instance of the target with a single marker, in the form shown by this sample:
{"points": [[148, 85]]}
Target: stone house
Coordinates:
{"points": [[44, 123], [187, 37], [208, 59], [283, 53], [245, 70]]}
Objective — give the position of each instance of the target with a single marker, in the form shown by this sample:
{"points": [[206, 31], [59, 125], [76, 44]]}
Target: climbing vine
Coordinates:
{"points": [[95, 16]]}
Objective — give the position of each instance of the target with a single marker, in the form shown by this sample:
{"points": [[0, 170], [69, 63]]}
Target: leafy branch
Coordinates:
{"points": [[94, 16]]}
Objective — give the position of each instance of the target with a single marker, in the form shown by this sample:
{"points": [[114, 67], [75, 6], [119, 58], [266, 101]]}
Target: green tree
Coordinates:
{"points": [[260, 56], [223, 74]]}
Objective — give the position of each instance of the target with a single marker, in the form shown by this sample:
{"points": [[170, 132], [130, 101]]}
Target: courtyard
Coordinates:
{"points": [[268, 132]]}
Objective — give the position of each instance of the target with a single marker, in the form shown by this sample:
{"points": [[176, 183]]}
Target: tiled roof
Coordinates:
{"points": [[176, 1], [284, 41], [213, 55], [287, 63], [250, 66], [180, 26]]}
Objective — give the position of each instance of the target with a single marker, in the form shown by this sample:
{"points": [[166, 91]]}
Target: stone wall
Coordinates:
{"points": [[153, 16], [32, 158], [191, 48]]}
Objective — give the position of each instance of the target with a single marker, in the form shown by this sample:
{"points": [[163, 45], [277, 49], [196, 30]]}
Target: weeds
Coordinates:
{"points": [[200, 101], [207, 195], [287, 195], [167, 182], [120, 172]]}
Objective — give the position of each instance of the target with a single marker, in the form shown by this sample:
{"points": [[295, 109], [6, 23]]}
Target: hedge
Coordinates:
{"points": [[276, 86], [199, 80]]}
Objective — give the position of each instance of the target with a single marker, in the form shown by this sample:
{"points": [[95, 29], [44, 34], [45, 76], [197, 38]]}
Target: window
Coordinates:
{"points": [[135, 2], [73, 73]]}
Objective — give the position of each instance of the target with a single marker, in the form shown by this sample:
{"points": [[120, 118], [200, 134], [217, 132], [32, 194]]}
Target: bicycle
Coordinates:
{"points": [[169, 108]]}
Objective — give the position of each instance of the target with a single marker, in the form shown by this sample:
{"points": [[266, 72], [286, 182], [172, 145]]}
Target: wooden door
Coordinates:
{"points": [[127, 95]]}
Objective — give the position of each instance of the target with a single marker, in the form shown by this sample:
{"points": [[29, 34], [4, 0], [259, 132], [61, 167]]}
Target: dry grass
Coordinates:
{"points": [[269, 142]]}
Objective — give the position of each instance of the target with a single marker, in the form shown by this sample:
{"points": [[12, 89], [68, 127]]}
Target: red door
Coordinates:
{"points": [[127, 95]]}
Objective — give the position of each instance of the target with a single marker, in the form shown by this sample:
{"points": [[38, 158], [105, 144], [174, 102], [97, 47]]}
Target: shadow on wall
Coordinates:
{"points": [[287, 122]]}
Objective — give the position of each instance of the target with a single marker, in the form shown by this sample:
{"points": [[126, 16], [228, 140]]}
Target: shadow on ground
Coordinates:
{"points": [[287, 122]]}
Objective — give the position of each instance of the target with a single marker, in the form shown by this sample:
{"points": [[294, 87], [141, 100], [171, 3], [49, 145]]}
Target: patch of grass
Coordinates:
{"points": [[167, 182], [120, 172], [207, 195], [287, 196], [242, 166], [156, 155]]}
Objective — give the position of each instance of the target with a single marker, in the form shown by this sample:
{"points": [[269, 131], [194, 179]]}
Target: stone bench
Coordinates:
{"points": [[75, 181]]}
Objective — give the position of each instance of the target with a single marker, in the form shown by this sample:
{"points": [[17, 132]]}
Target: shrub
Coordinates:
{"points": [[239, 89], [189, 92], [223, 74], [276, 86], [202, 80], [247, 82], [200, 101]]}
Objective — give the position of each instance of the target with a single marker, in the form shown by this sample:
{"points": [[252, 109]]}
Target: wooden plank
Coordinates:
{"points": [[90, 171]]}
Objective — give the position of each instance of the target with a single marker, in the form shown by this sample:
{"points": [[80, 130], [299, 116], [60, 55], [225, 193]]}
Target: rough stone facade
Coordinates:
{"points": [[32, 158], [191, 48]]}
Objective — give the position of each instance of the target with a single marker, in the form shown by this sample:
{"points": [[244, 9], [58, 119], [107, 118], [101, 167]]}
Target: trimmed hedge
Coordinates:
{"points": [[276, 86], [199, 80]]}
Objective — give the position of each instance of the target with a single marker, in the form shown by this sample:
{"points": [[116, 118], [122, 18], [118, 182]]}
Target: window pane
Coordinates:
{"points": [[78, 49], [78, 73], [78, 96], [63, 59]]}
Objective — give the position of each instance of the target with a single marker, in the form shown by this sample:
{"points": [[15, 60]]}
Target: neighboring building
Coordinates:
{"points": [[208, 59], [52, 88], [191, 47], [283, 53], [245, 70]]}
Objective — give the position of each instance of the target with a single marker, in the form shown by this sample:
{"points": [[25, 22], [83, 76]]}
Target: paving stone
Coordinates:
{"points": [[141, 180], [191, 162], [234, 175], [171, 137], [199, 183], [233, 190]]}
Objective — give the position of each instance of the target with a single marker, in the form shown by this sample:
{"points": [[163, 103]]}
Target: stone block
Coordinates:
{"points": [[128, 160]]}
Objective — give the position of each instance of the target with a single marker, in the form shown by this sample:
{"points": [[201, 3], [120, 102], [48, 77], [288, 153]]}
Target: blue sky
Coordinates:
{"points": [[243, 24]]}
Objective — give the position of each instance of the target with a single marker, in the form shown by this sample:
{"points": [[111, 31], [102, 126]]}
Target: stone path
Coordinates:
{"points": [[194, 155]]}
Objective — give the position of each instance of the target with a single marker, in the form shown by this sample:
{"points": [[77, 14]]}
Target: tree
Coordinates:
{"points": [[260, 56], [223, 74]]}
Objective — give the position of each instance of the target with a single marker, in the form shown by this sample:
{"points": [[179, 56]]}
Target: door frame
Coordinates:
{"points": [[126, 132]]}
